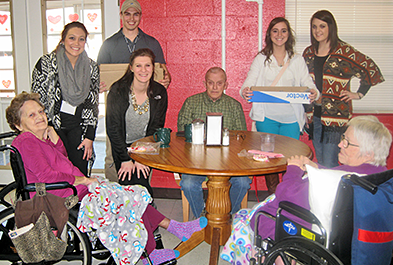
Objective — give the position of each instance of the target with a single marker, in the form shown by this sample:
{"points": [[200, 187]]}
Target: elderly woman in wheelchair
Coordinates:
{"points": [[45, 161], [364, 148]]}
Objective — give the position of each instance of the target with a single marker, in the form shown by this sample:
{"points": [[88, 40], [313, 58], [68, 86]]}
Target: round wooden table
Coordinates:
{"points": [[219, 163]]}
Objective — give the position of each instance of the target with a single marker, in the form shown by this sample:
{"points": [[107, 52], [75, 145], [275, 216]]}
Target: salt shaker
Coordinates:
{"points": [[225, 137], [198, 131]]}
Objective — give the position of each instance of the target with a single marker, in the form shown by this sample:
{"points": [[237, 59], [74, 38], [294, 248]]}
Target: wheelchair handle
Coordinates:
{"points": [[6, 147], [52, 186], [7, 134], [362, 182]]}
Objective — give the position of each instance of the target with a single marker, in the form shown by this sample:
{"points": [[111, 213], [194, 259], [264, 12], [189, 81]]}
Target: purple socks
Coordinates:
{"points": [[159, 256], [185, 230]]}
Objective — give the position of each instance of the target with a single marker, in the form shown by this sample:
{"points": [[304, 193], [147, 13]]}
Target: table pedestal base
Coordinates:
{"points": [[218, 207], [218, 230]]}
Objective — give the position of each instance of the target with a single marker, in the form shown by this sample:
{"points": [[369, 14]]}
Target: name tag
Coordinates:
{"points": [[67, 108]]}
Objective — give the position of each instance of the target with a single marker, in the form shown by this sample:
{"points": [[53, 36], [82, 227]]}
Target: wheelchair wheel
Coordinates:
{"points": [[301, 250], [98, 249], [7, 195], [78, 248]]}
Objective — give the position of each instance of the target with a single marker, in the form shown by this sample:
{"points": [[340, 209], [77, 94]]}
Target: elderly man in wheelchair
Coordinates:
{"points": [[45, 161], [348, 209]]}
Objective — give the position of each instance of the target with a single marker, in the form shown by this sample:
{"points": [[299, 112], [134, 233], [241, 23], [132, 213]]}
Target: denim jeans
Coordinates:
{"points": [[326, 153], [191, 185]]}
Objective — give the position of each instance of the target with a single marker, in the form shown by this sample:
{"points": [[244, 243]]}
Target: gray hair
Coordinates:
{"points": [[373, 137], [215, 70]]}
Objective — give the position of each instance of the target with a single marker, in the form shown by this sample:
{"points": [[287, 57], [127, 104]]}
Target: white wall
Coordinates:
{"points": [[28, 44]]}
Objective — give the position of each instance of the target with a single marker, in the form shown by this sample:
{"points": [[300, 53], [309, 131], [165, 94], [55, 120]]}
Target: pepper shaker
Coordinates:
{"points": [[225, 137]]}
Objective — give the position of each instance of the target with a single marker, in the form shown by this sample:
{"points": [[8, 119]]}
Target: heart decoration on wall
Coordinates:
{"points": [[92, 17], [73, 17], [6, 83], [54, 20], [3, 19]]}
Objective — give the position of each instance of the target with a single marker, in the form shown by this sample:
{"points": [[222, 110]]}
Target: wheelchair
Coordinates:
{"points": [[354, 212], [81, 247]]}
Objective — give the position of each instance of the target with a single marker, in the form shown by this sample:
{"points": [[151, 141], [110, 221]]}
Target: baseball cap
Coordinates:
{"points": [[131, 3]]}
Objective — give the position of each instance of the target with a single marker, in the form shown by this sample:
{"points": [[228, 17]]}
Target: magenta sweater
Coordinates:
{"points": [[47, 163]]}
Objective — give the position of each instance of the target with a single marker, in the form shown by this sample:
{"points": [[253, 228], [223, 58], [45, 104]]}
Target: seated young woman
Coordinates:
{"points": [[45, 160]]}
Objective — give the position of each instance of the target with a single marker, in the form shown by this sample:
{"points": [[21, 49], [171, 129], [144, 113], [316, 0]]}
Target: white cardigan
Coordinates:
{"points": [[295, 75]]}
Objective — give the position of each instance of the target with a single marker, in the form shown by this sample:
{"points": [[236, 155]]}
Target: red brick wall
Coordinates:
{"points": [[190, 35]]}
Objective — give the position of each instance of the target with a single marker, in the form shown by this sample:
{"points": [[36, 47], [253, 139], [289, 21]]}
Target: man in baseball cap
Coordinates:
{"points": [[118, 48]]}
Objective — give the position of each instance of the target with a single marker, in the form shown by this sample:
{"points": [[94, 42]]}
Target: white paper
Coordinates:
{"points": [[67, 108]]}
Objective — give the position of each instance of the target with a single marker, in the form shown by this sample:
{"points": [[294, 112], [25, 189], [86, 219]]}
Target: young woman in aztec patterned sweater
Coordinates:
{"points": [[332, 63]]}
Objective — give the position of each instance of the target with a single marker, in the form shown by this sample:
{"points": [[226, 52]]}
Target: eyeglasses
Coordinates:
{"points": [[346, 143]]}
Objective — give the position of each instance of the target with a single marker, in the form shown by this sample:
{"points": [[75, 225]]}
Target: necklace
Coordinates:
{"points": [[142, 108]]}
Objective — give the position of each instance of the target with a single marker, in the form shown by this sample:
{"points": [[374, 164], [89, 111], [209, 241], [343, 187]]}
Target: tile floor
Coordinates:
{"points": [[172, 208], [199, 255]]}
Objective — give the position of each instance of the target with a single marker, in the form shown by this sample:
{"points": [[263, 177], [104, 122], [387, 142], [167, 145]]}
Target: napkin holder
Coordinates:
{"points": [[213, 128]]}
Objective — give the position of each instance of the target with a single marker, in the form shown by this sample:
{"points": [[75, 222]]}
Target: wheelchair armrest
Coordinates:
{"points": [[362, 182], [298, 211], [303, 214], [53, 186]]}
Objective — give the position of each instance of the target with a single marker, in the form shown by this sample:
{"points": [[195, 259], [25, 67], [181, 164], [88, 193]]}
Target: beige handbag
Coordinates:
{"points": [[39, 243], [42, 216]]}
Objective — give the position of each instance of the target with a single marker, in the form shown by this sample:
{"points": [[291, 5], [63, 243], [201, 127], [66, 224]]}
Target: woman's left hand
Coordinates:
{"points": [[297, 161], [88, 145], [313, 95], [347, 95], [103, 87], [140, 167]]}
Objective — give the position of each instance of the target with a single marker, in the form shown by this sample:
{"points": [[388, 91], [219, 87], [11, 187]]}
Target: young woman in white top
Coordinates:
{"points": [[278, 118]]}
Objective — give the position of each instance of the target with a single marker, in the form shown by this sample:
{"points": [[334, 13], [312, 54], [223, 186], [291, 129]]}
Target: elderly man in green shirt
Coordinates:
{"points": [[195, 107]]}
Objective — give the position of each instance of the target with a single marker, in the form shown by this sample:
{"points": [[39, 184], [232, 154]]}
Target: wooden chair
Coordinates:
{"points": [[186, 205]]}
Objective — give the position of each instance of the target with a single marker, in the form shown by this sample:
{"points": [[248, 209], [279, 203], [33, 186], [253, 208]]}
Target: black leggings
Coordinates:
{"points": [[134, 179], [72, 139]]}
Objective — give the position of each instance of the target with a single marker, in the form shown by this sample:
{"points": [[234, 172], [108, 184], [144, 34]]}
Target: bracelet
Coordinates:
{"points": [[360, 95]]}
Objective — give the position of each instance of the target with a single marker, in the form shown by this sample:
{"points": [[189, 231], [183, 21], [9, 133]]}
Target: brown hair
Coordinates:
{"points": [[128, 77], [327, 17], [13, 113], [268, 49], [75, 24]]}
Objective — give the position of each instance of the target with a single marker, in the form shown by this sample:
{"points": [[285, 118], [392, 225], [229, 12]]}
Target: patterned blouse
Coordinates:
{"points": [[45, 81], [341, 65]]}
